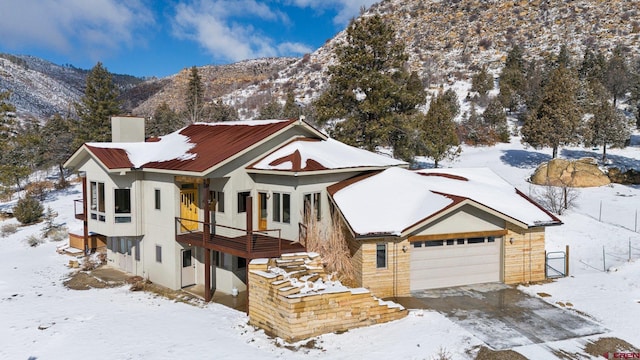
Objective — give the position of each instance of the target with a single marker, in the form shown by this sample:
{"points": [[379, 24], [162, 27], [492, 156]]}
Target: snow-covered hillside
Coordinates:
{"points": [[40, 318]]}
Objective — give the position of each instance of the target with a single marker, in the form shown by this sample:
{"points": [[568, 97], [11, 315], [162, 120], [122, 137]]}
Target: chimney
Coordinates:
{"points": [[127, 129]]}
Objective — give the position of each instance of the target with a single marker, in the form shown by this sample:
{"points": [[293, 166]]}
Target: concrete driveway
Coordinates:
{"points": [[502, 316]]}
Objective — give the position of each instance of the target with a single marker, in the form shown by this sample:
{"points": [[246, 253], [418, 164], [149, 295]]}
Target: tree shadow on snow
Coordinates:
{"points": [[621, 162], [524, 159]]}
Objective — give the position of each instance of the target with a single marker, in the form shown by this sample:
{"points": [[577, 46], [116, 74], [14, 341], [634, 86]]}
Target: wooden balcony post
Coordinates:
{"points": [[206, 238], [249, 207], [85, 209]]}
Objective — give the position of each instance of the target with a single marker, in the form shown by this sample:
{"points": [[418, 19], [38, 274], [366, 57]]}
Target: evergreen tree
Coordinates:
{"points": [[57, 139], [291, 110], [617, 75], [369, 86], [96, 107], [482, 82], [593, 66], [164, 121], [194, 98], [496, 120], [472, 129], [218, 112], [512, 79], [556, 121], [437, 137], [606, 126], [272, 110]]}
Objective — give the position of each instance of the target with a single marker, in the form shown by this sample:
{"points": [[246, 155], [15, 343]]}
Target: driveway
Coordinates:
{"points": [[502, 316]]}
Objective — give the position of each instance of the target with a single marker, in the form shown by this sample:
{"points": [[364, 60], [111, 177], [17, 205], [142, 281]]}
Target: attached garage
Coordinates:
{"points": [[455, 262]]}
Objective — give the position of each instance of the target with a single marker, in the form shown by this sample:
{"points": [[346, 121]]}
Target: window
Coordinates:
{"points": [[491, 239], [159, 253], [475, 240], [460, 241], [122, 202], [218, 197], [97, 201], [312, 205], [434, 243], [242, 201], [286, 208], [186, 258], [417, 244], [241, 263], [156, 196], [282, 207], [381, 256], [450, 242]]}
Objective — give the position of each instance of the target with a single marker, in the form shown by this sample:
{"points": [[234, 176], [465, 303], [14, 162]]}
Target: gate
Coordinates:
{"points": [[556, 264]]}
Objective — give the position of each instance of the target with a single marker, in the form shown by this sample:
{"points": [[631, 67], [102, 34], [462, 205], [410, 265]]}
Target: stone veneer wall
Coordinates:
{"points": [[279, 307]]}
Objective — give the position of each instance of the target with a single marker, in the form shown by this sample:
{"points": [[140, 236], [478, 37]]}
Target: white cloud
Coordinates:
{"points": [[346, 9], [94, 27], [216, 26]]}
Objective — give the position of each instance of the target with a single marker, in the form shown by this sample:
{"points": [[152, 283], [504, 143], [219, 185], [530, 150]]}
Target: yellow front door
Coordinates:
{"points": [[189, 209], [262, 211]]}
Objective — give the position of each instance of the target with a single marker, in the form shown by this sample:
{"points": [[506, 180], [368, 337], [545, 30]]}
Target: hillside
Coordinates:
{"points": [[40, 88], [446, 40]]}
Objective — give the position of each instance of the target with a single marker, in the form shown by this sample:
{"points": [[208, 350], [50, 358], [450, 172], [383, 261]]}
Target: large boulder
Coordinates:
{"points": [[629, 177], [574, 173]]}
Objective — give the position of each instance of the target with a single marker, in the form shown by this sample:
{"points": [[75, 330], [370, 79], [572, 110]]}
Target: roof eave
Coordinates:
{"points": [[319, 172]]}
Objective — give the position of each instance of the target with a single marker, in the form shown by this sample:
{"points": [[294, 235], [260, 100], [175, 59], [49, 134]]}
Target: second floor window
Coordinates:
{"points": [[218, 197], [97, 200]]}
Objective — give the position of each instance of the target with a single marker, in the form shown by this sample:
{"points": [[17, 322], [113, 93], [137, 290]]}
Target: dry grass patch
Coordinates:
{"points": [[487, 354], [609, 345]]}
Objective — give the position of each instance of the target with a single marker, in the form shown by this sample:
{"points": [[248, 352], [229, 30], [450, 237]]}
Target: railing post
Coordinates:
{"points": [[85, 209]]}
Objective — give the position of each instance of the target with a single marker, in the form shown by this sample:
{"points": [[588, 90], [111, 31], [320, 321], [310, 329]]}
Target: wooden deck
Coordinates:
{"points": [[260, 246]]}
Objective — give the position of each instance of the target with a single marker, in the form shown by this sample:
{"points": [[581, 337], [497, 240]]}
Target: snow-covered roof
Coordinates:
{"points": [[195, 148], [394, 200], [305, 154]]}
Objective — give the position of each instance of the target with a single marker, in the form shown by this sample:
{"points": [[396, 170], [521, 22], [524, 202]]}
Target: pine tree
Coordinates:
{"points": [[369, 86], [96, 107], [482, 82], [593, 66], [218, 111], [556, 121], [617, 75], [606, 126], [194, 97], [438, 139], [291, 110], [164, 121], [57, 140], [496, 120], [512, 79], [272, 110]]}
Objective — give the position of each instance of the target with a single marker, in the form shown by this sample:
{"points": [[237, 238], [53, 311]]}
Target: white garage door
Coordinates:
{"points": [[444, 263]]}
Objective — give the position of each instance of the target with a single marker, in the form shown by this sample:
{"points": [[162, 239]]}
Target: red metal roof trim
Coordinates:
{"points": [[448, 176], [112, 158], [296, 163]]}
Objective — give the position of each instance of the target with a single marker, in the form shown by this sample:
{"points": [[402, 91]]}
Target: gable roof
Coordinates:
{"points": [[397, 201], [304, 156], [195, 148]]}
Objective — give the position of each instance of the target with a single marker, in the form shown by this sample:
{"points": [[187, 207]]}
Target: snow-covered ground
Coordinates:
{"points": [[40, 318]]}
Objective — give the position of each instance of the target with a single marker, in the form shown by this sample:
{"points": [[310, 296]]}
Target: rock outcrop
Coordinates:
{"points": [[574, 173]]}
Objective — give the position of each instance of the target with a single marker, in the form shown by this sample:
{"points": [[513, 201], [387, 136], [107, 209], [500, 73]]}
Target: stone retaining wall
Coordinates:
{"points": [[292, 298]]}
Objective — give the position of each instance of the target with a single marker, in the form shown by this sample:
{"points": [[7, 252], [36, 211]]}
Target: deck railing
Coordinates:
{"points": [[78, 208], [255, 241]]}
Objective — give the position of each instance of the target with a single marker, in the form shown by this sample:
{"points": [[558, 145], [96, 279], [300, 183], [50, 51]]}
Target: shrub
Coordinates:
{"points": [[8, 229], [28, 210], [34, 240], [58, 234], [39, 189]]}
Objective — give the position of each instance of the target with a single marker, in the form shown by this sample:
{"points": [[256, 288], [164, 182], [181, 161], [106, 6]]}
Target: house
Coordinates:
{"points": [[194, 206]]}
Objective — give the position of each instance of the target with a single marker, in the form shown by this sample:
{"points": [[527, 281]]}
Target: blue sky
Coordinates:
{"points": [[159, 38]]}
